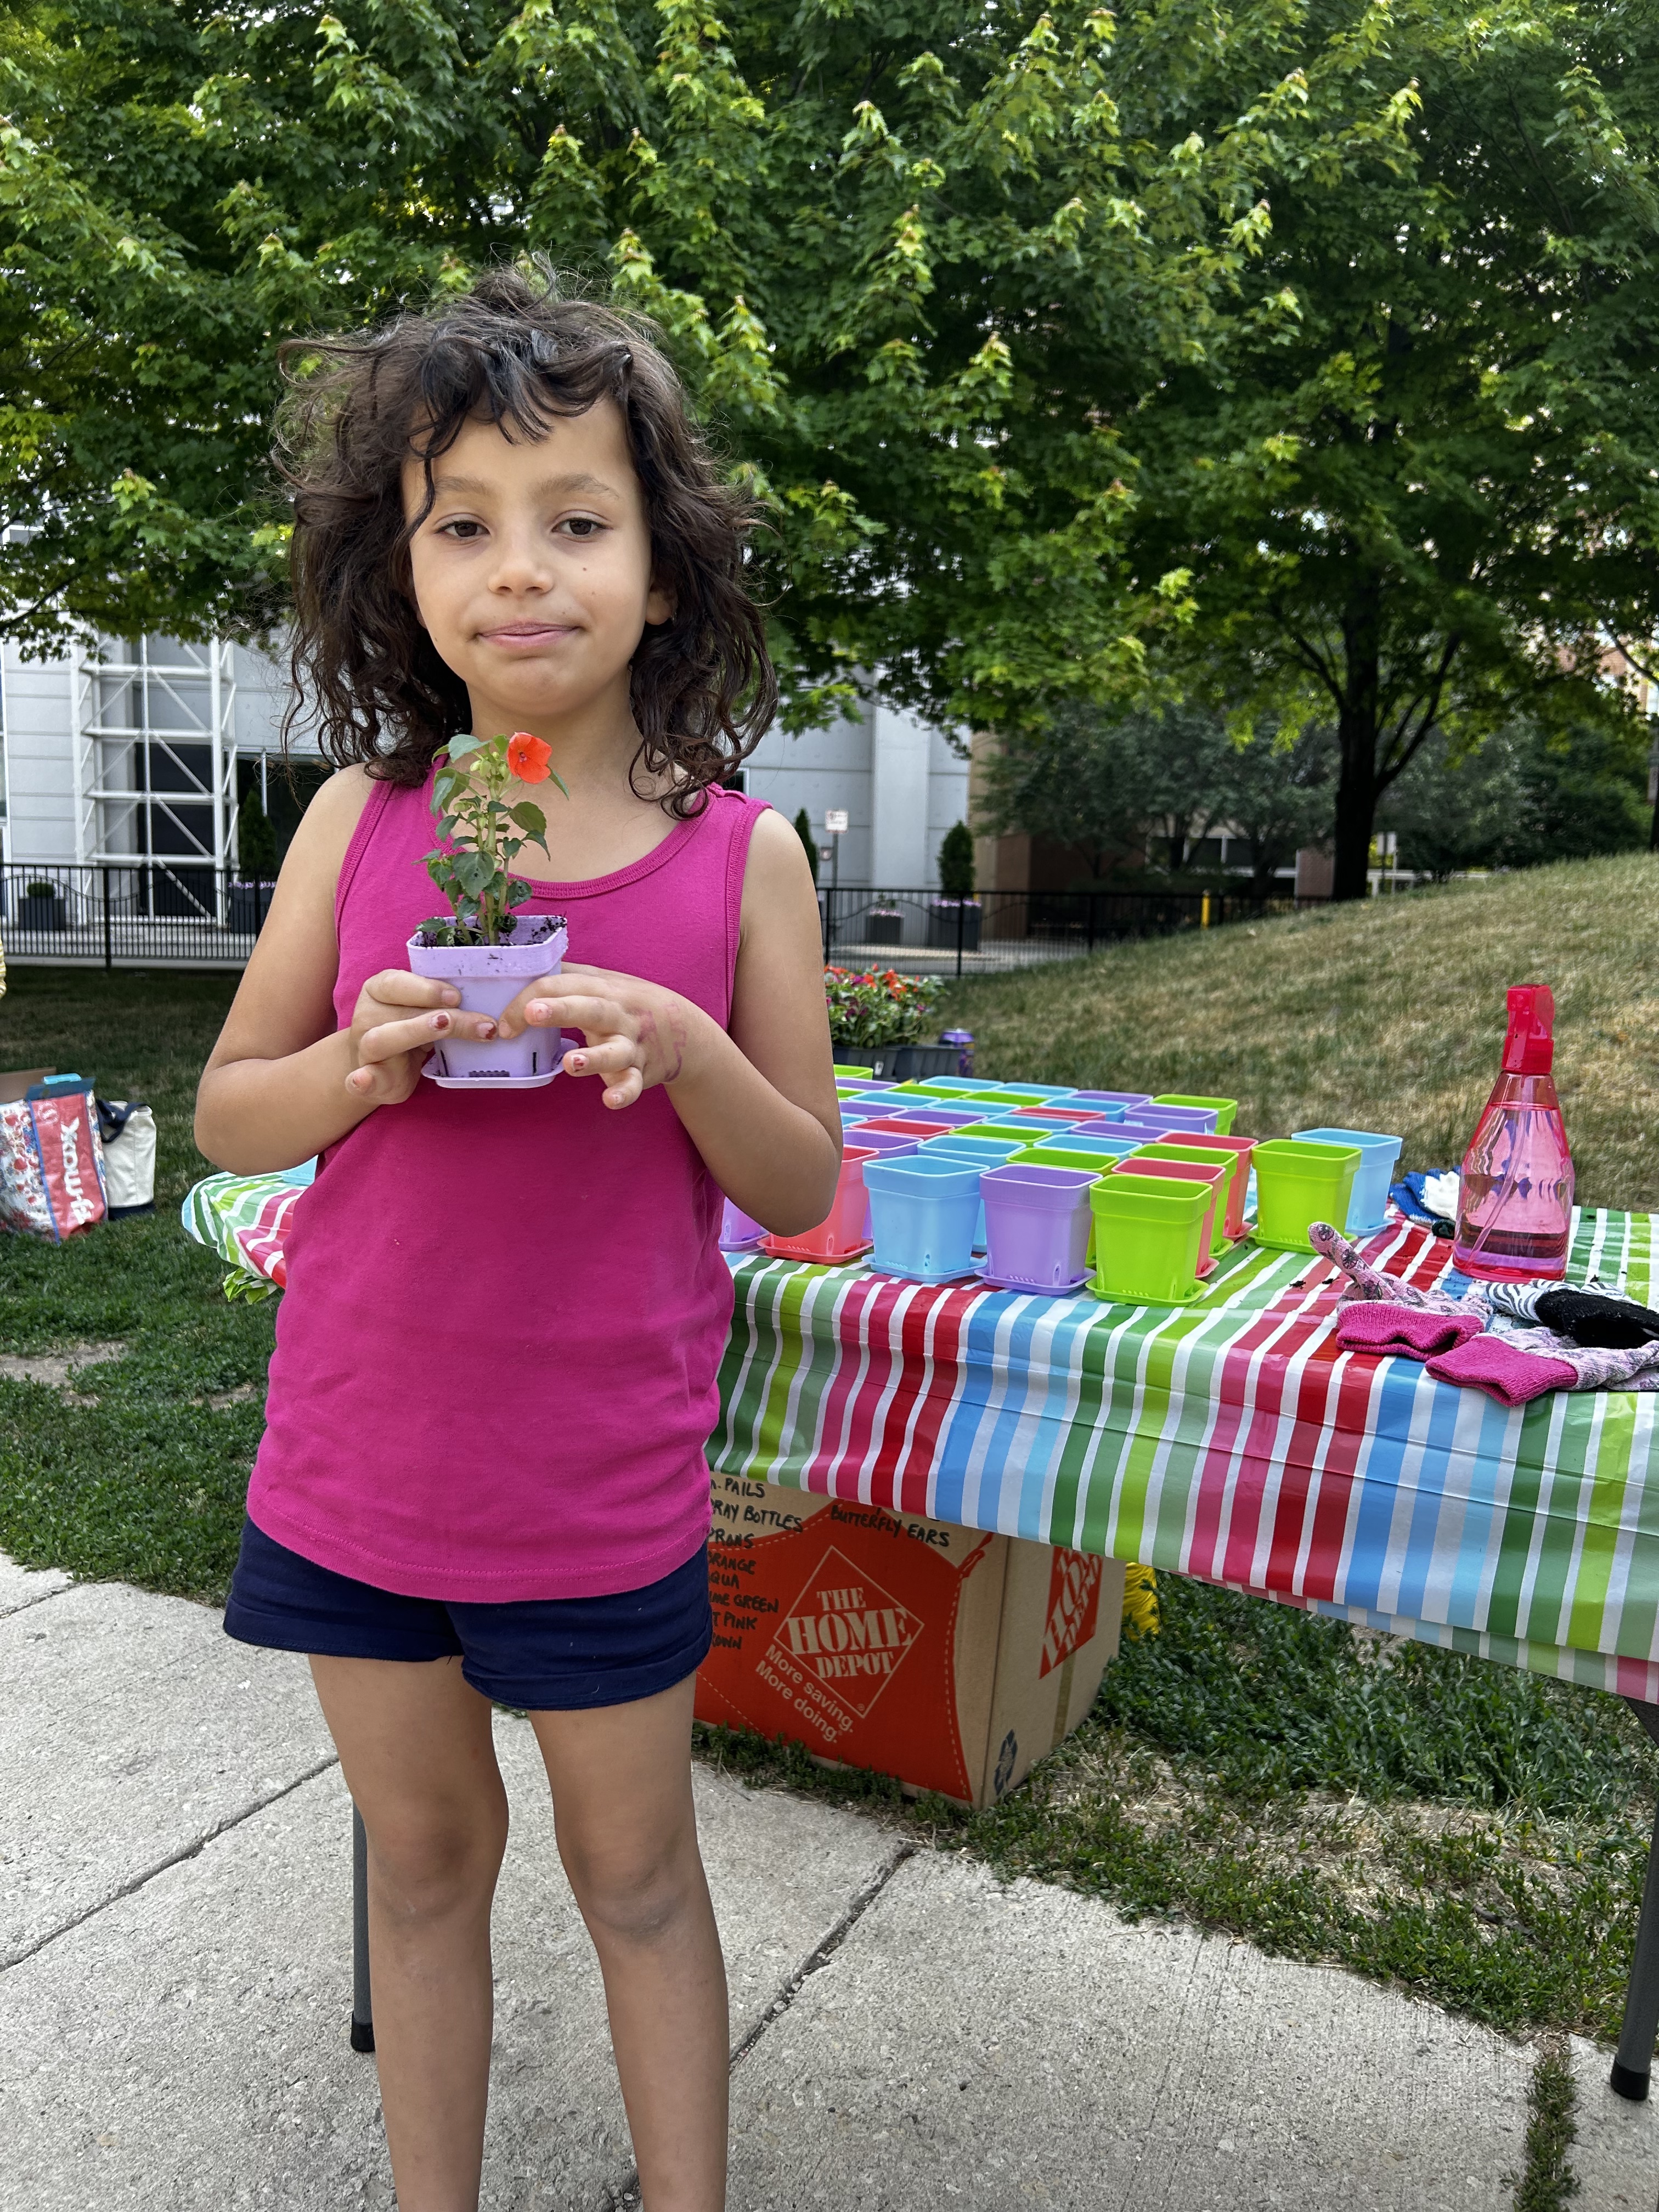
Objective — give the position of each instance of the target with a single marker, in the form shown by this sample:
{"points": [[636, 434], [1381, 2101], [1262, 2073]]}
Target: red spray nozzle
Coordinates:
{"points": [[1529, 1047]]}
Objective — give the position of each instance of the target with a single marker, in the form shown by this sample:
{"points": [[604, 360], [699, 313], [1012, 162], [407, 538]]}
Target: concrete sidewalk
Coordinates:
{"points": [[175, 1974]]}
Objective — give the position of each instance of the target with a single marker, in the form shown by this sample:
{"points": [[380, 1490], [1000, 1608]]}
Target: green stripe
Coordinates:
{"points": [[1587, 1621]]}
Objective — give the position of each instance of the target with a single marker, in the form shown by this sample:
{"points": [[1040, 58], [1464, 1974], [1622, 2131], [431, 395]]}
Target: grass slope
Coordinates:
{"points": [[1385, 1015], [1474, 1835]]}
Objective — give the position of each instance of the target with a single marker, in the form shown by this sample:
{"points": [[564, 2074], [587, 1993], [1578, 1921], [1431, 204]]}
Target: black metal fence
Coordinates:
{"points": [[925, 935], [146, 914], [177, 914]]}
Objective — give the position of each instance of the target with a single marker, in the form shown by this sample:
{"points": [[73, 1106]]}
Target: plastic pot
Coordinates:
{"points": [[1147, 1235], [1033, 1093], [1214, 1179], [938, 1115], [740, 1232], [924, 1208], [1236, 1173], [1298, 1182], [1092, 1156], [1120, 1102], [1239, 1148], [1166, 1116], [951, 1086], [901, 1125], [1062, 1116], [1024, 1130], [1368, 1205], [489, 978], [1037, 1224], [983, 1151], [1225, 1109], [840, 1236]]}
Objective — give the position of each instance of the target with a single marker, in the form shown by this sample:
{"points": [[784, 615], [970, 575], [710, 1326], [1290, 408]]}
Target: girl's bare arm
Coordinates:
{"points": [[283, 1081]]}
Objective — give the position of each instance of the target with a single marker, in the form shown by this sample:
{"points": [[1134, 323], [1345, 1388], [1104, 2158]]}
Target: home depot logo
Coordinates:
{"points": [[846, 1629], [1073, 1606]]}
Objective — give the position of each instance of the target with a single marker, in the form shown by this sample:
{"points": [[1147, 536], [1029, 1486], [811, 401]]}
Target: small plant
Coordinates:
{"points": [[874, 1007], [804, 831], [469, 799], [40, 891], [956, 862]]}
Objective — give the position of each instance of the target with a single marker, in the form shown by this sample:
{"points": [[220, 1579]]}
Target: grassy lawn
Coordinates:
{"points": [[1474, 1834]]}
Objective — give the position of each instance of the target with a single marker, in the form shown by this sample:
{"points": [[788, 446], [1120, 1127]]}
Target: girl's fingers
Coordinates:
{"points": [[397, 986], [388, 1039], [624, 1091], [596, 1016], [608, 1056]]}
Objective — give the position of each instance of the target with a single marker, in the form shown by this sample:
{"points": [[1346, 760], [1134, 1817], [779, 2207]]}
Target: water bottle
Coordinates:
{"points": [[1515, 1209]]}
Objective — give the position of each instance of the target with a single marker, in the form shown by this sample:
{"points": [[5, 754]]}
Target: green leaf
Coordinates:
{"points": [[528, 816]]}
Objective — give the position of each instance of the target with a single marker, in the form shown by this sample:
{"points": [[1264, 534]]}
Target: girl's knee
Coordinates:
{"points": [[639, 1893], [429, 1865]]}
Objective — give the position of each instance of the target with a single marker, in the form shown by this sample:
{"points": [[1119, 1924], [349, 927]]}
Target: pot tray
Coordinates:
{"points": [[491, 1082], [1033, 1290]]}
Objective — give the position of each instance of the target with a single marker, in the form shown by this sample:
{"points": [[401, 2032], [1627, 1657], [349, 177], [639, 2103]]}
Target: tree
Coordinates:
{"points": [[956, 862], [1417, 485], [1278, 792], [1524, 796], [808, 842]]}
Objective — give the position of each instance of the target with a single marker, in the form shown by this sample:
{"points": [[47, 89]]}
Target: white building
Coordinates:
{"points": [[144, 754]]}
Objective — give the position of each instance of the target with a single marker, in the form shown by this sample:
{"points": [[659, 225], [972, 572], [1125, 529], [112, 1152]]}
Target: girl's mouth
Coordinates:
{"points": [[523, 637]]}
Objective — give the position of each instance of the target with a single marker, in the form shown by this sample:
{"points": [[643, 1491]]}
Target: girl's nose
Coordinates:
{"points": [[522, 564]]}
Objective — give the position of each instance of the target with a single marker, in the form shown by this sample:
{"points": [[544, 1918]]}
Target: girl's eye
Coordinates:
{"points": [[583, 526], [462, 526]]}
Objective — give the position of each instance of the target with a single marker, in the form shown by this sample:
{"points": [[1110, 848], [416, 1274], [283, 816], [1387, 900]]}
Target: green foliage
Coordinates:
{"points": [[1418, 481], [808, 842], [956, 862], [874, 1008], [1525, 796], [256, 841], [469, 799], [1548, 2183]]}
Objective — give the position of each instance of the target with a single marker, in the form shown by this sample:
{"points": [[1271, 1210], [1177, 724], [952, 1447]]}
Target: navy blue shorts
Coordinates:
{"points": [[543, 1654]]}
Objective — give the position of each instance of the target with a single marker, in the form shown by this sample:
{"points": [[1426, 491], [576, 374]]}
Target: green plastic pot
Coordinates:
{"points": [[1196, 1156], [1147, 1229], [1226, 1110], [1023, 1130], [1297, 1183]]}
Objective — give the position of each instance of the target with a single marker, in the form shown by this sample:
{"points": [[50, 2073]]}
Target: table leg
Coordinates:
{"points": [[1634, 2063], [362, 2009]]}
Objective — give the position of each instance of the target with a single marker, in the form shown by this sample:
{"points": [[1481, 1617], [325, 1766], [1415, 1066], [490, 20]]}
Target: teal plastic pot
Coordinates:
{"points": [[923, 1208], [983, 1151], [1298, 1182], [1368, 1207]]}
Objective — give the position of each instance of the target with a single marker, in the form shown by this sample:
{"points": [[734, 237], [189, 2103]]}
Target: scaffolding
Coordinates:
{"points": [[155, 766]]}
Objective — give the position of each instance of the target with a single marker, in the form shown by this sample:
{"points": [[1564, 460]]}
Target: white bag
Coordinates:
{"points": [[129, 1134]]}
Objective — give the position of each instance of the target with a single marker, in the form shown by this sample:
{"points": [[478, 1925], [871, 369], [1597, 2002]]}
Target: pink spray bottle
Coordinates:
{"points": [[1515, 1213]]}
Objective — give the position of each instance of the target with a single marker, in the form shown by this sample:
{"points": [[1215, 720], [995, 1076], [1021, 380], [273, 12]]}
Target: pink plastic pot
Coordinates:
{"points": [[489, 978], [1037, 1226], [840, 1236]]}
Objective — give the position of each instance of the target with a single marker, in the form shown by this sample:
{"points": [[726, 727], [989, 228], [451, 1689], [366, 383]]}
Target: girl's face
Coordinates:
{"points": [[533, 571]]}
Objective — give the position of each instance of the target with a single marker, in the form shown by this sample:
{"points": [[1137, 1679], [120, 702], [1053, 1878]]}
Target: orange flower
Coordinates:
{"points": [[528, 757]]}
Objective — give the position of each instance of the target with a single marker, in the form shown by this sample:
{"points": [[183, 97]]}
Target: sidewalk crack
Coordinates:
{"points": [[186, 1852], [820, 1958]]}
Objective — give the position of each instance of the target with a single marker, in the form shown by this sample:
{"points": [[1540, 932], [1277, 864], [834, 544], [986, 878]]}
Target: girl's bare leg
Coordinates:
{"points": [[415, 1746], [627, 1836]]}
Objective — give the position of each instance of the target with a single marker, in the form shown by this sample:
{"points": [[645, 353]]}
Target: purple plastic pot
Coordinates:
{"points": [[738, 1230], [489, 978], [1037, 1226], [1202, 1118]]}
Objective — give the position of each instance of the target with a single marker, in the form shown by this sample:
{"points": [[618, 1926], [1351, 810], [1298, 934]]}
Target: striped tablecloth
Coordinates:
{"points": [[1230, 1440]]}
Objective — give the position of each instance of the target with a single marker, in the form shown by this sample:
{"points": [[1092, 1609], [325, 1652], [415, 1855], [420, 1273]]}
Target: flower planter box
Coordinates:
{"points": [[42, 913], [899, 1063], [884, 925], [953, 921]]}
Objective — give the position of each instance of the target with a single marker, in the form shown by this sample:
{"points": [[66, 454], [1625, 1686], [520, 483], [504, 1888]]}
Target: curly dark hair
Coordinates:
{"points": [[515, 351]]}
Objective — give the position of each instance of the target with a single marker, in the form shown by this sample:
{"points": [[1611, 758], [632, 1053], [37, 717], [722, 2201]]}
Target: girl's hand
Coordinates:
{"points": [[637, 1033], [390, 1043]]}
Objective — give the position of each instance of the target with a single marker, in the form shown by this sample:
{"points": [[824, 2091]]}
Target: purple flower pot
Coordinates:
{"points": [[740, 1232], [489, 978], [1037, 1226]]}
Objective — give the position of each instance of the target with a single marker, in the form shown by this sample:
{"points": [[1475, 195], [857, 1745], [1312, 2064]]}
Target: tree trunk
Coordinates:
{"points": [[1356, 731]]}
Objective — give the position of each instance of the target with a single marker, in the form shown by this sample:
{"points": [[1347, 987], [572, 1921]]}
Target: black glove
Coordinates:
{"points": [[1600, 1324]]}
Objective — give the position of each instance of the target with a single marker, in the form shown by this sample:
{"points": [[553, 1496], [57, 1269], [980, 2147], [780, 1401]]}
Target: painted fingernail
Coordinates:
{"points": [[440, 1021], [538, 1010], [578, 1063], [486, 1030]]}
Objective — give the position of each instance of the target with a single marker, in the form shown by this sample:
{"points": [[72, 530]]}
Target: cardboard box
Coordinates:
{"points": [[16, 1083], [948, 1657]]}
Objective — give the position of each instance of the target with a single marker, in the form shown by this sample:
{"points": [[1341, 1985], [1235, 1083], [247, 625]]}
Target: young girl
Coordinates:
{"points": [[483, 1473]]}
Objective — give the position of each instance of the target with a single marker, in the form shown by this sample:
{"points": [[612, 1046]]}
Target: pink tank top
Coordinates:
{"points": [[497, 1355]]}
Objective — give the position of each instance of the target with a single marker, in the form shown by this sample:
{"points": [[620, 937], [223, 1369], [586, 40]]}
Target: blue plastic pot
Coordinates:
{"points": [[1124, 1101], [923, 1208], [983, 1151], [1377, 1156]]}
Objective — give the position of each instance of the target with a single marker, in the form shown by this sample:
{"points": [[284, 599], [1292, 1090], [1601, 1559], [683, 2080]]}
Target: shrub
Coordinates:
{"points": [[874, 1007], [956, 862]]}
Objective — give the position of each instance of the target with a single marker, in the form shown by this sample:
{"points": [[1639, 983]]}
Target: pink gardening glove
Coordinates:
{"points": [[1409, 1331], [1488, 1364]]}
